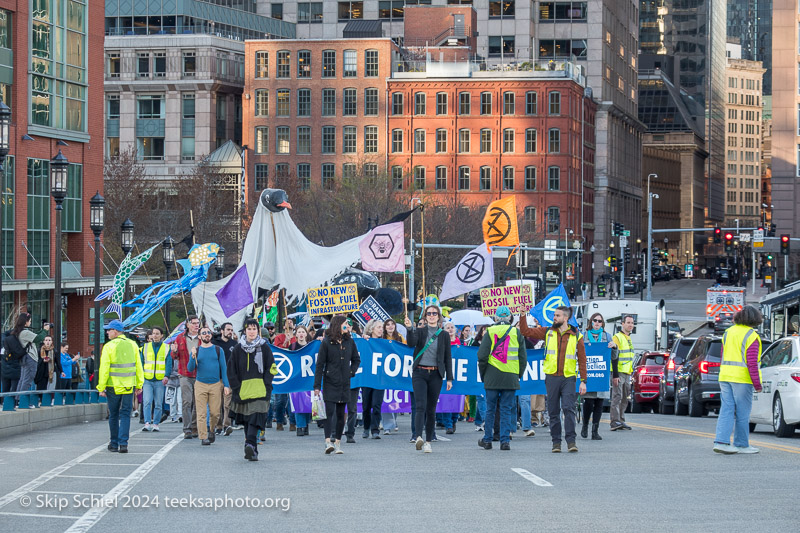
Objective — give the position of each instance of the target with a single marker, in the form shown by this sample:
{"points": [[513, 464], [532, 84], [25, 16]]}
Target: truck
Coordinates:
{"points": [[723, 300], [650, 334]]}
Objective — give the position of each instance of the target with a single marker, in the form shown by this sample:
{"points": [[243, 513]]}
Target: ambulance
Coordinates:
{"points": [[723, 300]]}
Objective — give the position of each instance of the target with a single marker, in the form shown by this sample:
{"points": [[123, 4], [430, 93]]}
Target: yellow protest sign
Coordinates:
{"points": [[333, 300], [518, 298]]}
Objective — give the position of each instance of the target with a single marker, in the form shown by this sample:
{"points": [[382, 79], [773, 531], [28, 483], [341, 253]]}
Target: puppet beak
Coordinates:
{"points": [[285, 204]]}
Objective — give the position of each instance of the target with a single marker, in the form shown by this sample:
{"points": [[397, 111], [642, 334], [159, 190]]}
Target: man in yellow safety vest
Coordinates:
{"points": [[501, 363], [120, 376], [621, 369], [157, 365]]}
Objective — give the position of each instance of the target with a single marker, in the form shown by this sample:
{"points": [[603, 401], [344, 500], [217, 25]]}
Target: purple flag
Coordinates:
{"points": [[237, 293], [382, 249]]}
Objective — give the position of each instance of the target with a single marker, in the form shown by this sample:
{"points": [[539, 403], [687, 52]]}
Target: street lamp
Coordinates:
{"points": [[58, 188], [220, 264], [168, 257], [5, 122], [126, 231], [591, 285], [649, 267], [97, 208]]}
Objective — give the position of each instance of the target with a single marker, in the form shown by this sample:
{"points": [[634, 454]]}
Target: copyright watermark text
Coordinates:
{"points": [[63, 502]]}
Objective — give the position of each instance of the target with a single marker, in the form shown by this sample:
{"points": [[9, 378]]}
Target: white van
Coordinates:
{"points": [[650, 332]]}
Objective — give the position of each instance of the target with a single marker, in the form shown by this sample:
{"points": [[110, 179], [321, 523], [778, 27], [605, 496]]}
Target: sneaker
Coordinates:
{"points": [[205, 442], [479, 428], [418, 442], [485, 444], [329, 448], [337, 448], [535, 424], [135, 414], [727, 449], [187, 436], [123, 448], [426, 448], [262, 436], [449, 431], [195, 435], [470, 419], [387, 432], [112, 448], [396, 430], [572, 447], [155, 429], [376, 436], [556, 447], [626, 426], [227, 431], [505, 446], [748, 450], [530, 433], [250, 452], [146, 427], [218, 431], [350, 440], [615, 426]]}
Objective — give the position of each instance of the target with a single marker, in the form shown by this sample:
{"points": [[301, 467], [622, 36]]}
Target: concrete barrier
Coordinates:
{"points": [[35, 419]]}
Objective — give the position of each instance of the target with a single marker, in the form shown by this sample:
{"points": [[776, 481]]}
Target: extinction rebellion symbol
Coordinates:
{"points": [[471, 268], [499, 225]]}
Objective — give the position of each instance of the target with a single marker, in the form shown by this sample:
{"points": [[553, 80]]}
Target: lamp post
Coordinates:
{"points": [[220, 264], [126, 243], [649, 263], [567, 233], [58, 188], [97, 207], [168, 256], [5, 122]]}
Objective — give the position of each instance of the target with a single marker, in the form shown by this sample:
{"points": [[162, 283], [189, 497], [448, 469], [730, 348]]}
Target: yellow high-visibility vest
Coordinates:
{"points": [[512, 362], [735, 342], [155, 363], [625, 361], [120, 366], [551, 354]]}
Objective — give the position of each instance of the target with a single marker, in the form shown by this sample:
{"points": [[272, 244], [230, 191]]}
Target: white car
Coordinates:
{"points": [[778, 403]]}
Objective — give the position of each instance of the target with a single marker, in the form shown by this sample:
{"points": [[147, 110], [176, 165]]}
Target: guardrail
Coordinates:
{"points": [[48, 398]]}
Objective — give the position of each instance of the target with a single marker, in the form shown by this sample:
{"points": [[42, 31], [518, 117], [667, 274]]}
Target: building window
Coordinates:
{"points": [[509, 100], [463, 178], [397, 141], [351, 10], [371, 63], [262, 103], [553, 220], [464, 103], [554, 179], [304, 102], [262, 64], [281, 171], [304, 176], [508, 141], [348, 171], [71, 217], [397, 103], [463, 141], [262, 140], [501, 9], [328, 173], [441, 178], [554, 144], [530, 219], [150, 106], [486, 179], [276, 11], [419, 177], [486, 103], [262, 177], [38, 218], [142, 64], [530, 103], [282, 105], [350, 103], [112, 60], [112, 111], [419, 103], [328, 139], [530, 178], [441, 103], [349, 140], [304, 64], [370, 139], [329, 63], [501, 45], [350, 64], [150, 148], [441, 141], [397, 178], [282, 140], [566, 11], [371, 102], [562, 48], [391, 9], [486, 141], [530, 141], [304, 140], [328, 102], [508, 178], [419, 141], [310, 12], [283, 64], [554, 99]]}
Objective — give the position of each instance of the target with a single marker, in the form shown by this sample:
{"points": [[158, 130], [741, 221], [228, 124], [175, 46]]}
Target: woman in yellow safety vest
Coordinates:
{"points": [[739, 376]]}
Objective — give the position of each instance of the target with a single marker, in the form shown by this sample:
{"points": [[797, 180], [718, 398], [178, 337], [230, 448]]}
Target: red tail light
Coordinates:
{"points": [[671, 364], [643, 370], [796, 377], [705, 365], [708, 309]]}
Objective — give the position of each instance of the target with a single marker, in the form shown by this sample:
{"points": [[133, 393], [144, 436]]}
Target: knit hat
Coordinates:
{"points": [[502, 314]]}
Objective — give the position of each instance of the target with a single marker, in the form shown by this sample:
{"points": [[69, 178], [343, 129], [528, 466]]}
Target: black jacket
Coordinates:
{"points": [[227, 346], [242, 366], [418, 338], [14, 352], [337, 363]]}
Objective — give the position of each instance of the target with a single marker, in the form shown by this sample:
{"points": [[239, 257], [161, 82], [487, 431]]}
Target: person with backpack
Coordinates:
{"points": [[208, 361], [27, 340], [13, 355], [501, 362], [432, 364], [593, 401]]}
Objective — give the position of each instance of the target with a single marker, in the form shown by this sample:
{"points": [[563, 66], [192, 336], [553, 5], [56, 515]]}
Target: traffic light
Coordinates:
{"points": [[617, 228], [612, 262], [785, 241], [717, 235], [728, 242], [627, 251], [771, 232]]}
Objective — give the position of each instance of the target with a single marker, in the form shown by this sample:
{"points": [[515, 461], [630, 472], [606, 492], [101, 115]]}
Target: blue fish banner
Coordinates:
{"points": [[543, 311], [387, 365]]}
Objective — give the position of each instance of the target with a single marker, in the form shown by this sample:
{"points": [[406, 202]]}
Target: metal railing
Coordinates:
{"points": [[13, 401]]}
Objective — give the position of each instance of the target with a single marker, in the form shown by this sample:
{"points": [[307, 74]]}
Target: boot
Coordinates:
{"points": [[585, 428], [596, 432]]}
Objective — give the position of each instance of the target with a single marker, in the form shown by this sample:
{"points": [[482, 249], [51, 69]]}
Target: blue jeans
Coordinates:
{"points": [[446, 419], [525, 411], [279, 406], [153, 391], [734, 415], [480, 409], [119, 416], [389, 421], [302, 419], [508, 414]]}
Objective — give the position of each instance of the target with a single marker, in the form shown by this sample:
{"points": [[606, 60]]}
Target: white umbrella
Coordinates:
{"points": [[470, 317]]}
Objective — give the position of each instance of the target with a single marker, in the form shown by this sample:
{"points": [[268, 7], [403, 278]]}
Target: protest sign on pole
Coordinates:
{"points": [[369, 309], [333, 299], [518, 298]]}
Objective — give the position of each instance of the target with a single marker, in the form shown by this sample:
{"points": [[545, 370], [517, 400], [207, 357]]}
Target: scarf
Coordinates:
{"points": [[597, 334], [250, 347]]}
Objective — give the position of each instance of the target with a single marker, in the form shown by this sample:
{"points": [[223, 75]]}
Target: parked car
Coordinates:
{"points": [[723, 321], [675, 271], [696, 383], [666, 393], [662, 272], [724, 276], [674, 331], [632, 285], [646, 379], [778, 403]]}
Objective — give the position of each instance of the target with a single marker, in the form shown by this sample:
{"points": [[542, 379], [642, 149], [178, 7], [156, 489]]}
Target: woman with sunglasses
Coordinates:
{"points": [[432, 364], [302, 338], [337, 362], [372, 399], [593, 401], [212, 376]]}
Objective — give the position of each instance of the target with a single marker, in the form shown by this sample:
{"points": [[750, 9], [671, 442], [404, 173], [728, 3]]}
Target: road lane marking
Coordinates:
{"points": [[112, 464], [71, 517], [95, 514], [66, 492], [536, 480], [92, 477], [443, 439]]}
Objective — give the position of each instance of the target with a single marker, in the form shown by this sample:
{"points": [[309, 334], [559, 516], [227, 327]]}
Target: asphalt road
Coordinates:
{"points": [[660, 476]]}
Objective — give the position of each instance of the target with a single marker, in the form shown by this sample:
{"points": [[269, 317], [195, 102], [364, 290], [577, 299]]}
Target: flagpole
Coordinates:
{"points": [[405, 293], [422, 231]]}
